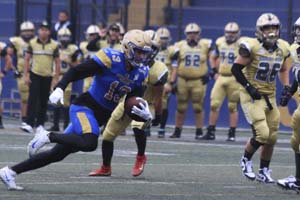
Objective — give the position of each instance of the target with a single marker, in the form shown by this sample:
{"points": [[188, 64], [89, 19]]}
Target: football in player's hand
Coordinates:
{"points": [[129, 103]]}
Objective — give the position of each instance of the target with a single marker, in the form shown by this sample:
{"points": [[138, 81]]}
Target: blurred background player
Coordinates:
{"points": [[192, 70], [293, 182], [164, 55], [259, 61], [92, 32], [122, 31], [8, 65], [221, 60], [70, 56], [63, 22], [158, 74], [111, 41], [18, 45], [40, 56]]}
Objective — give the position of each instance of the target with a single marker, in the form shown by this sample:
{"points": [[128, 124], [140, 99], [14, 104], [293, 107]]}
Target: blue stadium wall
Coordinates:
{"points": [[212, 15]]}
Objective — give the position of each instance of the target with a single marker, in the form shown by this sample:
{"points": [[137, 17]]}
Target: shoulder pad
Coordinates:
{"points": [[244, 49]]}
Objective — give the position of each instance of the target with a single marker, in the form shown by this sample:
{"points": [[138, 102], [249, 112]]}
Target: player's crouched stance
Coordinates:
{"points": [[115, 75], [293, 182], [260, 60]]}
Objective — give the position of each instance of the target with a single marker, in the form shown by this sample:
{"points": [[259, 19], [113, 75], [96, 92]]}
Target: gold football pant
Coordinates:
{"points": [[23, 89], [190, 90], [225, 86], [295, 139], [264, 121]]}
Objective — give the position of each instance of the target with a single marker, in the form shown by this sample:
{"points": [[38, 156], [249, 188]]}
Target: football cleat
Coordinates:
{"points": [[40, 139], [231, 136], [247, 168], [210, 134], [264, 176], [26, 127], [289, 183], [139, 165], [8, 176], [102, 171]]}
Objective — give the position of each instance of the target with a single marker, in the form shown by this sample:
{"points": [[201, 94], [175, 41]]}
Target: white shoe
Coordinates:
{"points": [[40, 139], [289, 183], [26, 127], [247, 169], [8, 176], [264, 176], [39, 129]]}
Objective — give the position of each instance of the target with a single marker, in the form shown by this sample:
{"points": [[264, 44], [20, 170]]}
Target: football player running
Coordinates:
{"points": [[158, 75], [221, 59], [116, 74], [192, 56], [256, 68], [293, 182]]}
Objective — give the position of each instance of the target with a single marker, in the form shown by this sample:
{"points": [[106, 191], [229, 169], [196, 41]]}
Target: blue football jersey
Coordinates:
{"points": [[115, 81]]}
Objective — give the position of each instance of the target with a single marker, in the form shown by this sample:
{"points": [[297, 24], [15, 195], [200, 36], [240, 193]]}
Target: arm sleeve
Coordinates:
{"points": [[238, 74], [163, 79], [83, 70], [93, 45], [76, 55], [294, 87]]}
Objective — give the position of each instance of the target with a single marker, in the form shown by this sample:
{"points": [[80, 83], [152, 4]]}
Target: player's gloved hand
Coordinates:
{"points": [[142, 111], [57, 96], [285, 95], [156, 120], [213, 72], [205, 79], [253, 92], [17, 74]]}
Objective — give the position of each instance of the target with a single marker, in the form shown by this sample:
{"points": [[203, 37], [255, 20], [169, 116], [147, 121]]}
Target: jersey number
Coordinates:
{"points": [[192, 60], [230, 57], [265, 74], [110, 95]]}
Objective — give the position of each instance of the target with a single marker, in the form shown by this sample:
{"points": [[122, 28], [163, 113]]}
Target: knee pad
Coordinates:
{"points": [[261, 131], [182, 106], [215, 105], [197, 107], [295, 144], [232, 107]]}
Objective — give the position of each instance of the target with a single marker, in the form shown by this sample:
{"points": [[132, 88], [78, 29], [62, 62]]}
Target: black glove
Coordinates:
{"points": [[205, 79], [285, 95], [253, 92], [213, 72], [156, 120], [17, 74]]}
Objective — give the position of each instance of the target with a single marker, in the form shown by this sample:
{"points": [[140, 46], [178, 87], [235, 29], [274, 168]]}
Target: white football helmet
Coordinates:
{"points": [[91, 30], [232, 32], [64, 36], [137, 47], [192, 32], [164, 37], [264, 21], [296, 31], [155, 43], [27, 30]]}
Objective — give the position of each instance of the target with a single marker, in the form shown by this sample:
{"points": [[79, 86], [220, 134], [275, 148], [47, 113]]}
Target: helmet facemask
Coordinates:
{"points": [[138, 56], [269, 34], [231, 36], [192, 38], [27, 35], [296, 33]]}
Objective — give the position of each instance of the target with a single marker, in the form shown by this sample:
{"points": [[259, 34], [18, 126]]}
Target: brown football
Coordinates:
{"points": [[129, 103]]}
